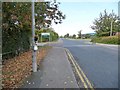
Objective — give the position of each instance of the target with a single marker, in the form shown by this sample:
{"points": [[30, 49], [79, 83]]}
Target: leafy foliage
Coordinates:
{"points": [[17, 23], [87, 36], [74, 36], [102, 25], [106, 40], [15, 29], [46, 12], [67, 35]]}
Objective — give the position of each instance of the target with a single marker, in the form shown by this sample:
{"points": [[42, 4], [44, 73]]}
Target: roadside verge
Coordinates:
{"points": [[16, 70]]}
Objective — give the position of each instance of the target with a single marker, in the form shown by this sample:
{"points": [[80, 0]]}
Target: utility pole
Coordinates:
{"points": [[34, 62], [111, 24], [119, 9], [111, 27]]}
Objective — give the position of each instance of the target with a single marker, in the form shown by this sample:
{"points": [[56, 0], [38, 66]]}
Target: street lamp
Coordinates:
{"points": [[112, 26], [34, 63]]}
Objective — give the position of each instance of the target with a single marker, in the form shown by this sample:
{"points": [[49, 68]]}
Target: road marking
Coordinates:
{"points": [[80, 72], [85, 85], [80, 76], [90, 85]]}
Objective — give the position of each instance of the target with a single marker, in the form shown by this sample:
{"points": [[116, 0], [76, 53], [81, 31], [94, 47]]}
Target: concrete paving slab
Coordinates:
{"points": [[55, 72]]}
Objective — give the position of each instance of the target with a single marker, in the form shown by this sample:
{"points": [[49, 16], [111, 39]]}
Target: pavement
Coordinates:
{"points": [[55, 71]]}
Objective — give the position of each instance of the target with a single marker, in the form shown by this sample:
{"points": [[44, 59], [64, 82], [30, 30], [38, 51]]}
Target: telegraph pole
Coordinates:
{"points": [[34, 63], [111, 24], [111, 27]]}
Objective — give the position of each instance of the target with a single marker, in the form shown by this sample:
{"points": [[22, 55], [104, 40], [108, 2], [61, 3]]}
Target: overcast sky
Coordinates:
{"points": [[80, 14]]}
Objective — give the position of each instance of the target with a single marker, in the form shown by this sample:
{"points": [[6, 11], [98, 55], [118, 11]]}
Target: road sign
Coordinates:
{"points": [[45, 34]]}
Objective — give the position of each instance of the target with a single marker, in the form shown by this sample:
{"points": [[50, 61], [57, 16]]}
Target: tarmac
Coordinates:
{"points": [[55, 71]]}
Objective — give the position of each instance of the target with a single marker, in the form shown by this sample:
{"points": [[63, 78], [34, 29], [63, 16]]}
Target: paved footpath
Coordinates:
{"points": [[54, 72]]}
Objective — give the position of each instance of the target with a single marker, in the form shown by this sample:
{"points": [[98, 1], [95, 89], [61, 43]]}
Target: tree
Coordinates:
{"points": [[46, 12], [18, 14], [66, 35], [79, 34], [87, 35], [16, 27], [102, 25], [17, 22], [61, 36], [74, 36]]}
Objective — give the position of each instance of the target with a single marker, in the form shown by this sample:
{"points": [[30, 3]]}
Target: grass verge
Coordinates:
{"points": [[107, 40]]}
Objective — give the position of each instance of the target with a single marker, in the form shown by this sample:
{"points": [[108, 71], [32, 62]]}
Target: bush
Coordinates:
{"points": [[15, 41], [15, 36], [106, 40], [104, 34]]}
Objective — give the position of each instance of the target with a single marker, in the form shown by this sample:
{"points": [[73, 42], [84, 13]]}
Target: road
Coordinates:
{"points": [[98, 62]]}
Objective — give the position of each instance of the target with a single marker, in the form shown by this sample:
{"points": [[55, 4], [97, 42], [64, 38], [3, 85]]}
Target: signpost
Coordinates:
{"points": [[45, 35]]}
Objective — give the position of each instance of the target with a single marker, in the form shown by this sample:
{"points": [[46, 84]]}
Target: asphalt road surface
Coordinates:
{"points": [[99, 62]]}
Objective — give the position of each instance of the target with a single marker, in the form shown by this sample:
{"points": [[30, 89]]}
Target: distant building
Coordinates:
{"points": [[119, 8]]}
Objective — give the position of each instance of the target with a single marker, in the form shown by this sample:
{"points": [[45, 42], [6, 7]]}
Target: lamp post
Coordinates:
{"points": [[34, 63], [111, 27]]}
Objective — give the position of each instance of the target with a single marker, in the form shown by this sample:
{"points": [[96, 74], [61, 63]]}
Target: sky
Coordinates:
{"points": [[80, 14]]}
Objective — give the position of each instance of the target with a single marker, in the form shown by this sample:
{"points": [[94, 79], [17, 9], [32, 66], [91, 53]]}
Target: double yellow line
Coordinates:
{"points": [[79, 72]]}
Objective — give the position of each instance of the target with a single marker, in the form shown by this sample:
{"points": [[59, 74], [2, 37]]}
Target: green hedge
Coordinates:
{"points": [[15, 36], [14, 42], [107, 40]]}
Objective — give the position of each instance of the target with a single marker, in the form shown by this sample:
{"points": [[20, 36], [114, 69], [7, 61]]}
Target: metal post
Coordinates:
{"points": [[34, 63], [111, 28], [111, 24], [1, 45]]}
